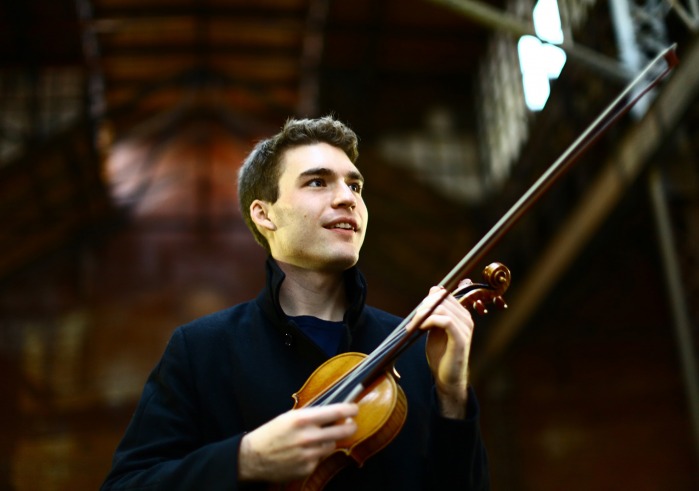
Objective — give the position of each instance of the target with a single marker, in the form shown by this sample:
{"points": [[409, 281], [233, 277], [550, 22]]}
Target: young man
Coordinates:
{"points": [[216, 411]]}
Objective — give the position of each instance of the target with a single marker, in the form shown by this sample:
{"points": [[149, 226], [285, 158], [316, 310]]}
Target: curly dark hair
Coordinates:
{"points": [[259, 175]]}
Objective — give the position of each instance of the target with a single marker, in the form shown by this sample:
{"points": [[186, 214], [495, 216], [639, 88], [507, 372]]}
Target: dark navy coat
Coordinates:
{"points": [[228, 373]]}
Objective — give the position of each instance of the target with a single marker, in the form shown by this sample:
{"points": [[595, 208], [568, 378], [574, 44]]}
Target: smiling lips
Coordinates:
{"points": [[344, 225]]}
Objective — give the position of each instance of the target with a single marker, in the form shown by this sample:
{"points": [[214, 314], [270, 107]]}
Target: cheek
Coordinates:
{"points": [[283, 216]]}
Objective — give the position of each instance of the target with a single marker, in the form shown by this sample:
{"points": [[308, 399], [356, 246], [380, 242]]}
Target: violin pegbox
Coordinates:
{"points": [[478, 296]]}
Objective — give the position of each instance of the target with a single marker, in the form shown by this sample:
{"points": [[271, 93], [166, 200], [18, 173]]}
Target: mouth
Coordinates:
{"points": [[343, 225]]}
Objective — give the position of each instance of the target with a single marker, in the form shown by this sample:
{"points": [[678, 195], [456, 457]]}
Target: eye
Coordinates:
{"points": [[316, 183], [356, 187]]}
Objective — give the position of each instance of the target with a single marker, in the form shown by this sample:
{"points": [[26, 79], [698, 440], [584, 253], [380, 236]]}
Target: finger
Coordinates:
{"points": [[326, 415], [450, 316], [327, 447], [314, 453], [426, 308], [451, 306], [445, 303], [338, 431], [320, 437]]}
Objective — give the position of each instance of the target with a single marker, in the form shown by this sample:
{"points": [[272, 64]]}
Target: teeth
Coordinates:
{"points": [[346, 226]]}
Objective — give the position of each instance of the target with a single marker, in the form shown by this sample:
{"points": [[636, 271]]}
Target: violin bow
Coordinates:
{"points": [[400, 338]]}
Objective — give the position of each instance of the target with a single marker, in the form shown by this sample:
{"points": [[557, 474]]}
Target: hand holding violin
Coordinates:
{"points": [[450, 327], [291, 445]]}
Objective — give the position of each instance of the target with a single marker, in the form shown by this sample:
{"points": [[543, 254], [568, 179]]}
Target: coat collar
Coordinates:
{"points": [[268, 300], [355, 287]]}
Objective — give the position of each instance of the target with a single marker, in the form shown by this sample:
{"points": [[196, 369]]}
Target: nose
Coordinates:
{"points": [[345, 197]]}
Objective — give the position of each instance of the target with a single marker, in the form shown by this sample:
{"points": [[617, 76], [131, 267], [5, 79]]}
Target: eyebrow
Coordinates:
{"points": [[324, 172]]}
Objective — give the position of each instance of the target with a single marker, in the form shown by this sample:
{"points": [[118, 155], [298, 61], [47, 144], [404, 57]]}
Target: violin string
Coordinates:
{"points": [[341, 389], [371, 366], [359, 374], [393, 344]]}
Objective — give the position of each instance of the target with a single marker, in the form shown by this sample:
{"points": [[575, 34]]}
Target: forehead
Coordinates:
{"points": [[297, 160]]}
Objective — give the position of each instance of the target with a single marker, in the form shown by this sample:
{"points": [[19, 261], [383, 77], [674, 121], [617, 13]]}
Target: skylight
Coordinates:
{"points": [[540, 60]]}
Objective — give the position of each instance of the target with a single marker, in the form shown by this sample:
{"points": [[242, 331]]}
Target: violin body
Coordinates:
{"points": [[382, 411]]}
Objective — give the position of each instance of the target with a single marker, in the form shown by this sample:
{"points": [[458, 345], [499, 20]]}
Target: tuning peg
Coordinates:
{"points": [[500, 302], [479, 307]]}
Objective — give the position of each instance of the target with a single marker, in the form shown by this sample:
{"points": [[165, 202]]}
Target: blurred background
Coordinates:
{"points": [[122, 127]]}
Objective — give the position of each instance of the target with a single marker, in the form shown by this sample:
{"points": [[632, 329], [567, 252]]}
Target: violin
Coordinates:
{"points": [[370, 380], [382, 403]]}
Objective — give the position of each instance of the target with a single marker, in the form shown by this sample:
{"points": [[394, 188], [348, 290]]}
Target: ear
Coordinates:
{"points": [[259, 212]]}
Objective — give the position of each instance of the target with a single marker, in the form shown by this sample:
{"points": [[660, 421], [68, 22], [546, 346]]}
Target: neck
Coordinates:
{"points": [[307, 292]]}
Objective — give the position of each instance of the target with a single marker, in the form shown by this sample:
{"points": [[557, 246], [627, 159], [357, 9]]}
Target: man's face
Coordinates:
{"points": [[320, 217]]}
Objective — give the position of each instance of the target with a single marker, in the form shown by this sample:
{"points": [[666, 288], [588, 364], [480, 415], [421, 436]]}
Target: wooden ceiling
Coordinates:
{"points": [[377, 64]]}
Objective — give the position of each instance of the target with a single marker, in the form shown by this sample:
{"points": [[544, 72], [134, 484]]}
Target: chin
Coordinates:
{"points": [[328, 261], [342, 262], [342, 265]]}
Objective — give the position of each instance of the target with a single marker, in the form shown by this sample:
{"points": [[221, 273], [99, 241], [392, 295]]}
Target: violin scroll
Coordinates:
{"points": [[477, 296]]}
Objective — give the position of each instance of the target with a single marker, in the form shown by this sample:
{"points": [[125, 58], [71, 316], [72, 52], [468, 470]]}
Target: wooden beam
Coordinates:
{"points": [[503, 21]]}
